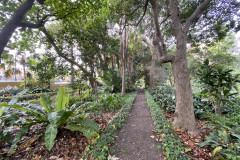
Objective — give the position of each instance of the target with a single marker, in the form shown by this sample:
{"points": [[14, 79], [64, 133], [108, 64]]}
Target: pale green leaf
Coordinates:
{"points": [[216, 150], [46, 102], [88, 123], [54, 117], [61, 100], [88, 132], [50, 135]]}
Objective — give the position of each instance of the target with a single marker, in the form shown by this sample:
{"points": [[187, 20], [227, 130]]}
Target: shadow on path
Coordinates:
{"points": [[134, 141]]}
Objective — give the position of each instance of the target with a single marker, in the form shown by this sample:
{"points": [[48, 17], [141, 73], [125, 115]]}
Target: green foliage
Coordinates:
{"points": [[219, 84], [225, 138], [110, 102], [165, 97], [9, 91], [111, 82], [26, 115], [170, 142], [99, 148], [39, 89]]}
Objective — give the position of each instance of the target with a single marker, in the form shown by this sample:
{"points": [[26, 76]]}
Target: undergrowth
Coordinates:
{"points": [[170, 143], [99, 149]]}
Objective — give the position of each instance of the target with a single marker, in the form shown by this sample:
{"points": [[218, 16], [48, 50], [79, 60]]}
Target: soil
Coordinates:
{"points": [[68, 145], [191, 142], [134, 141]]}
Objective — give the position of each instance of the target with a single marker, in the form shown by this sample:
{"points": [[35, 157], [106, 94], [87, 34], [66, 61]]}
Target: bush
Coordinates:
{"points": [[39, 90], [219, 85], [165, 97], [225, 138], [110, 102], [9, 91]]}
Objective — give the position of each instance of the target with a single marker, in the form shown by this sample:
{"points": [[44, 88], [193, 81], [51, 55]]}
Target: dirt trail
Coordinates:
{"points": [[134, 141]]}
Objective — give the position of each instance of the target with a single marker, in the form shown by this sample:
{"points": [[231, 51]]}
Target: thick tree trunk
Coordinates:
{"points": [[8, 29], [184, 115]]}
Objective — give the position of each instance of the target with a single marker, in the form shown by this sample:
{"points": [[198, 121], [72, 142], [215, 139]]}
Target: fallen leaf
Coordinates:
{"points": [[152, 136], [162, 137]]}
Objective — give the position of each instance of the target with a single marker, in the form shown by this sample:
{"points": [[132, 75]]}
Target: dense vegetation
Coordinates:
{"points": [[185, 52]]}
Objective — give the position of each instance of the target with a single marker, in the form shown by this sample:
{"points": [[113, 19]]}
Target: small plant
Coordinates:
{"points": [[54, 117], [225, 138], [165, 97], [219, 84], [170, 143], [9, 91], [39, 90], [110, 102]]}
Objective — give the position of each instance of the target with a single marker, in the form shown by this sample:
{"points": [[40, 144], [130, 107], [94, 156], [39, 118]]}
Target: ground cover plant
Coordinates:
{"points": [[9, 91], [170, 143], [101, 148]]}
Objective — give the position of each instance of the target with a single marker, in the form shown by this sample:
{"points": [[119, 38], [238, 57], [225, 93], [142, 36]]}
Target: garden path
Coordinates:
{"points": [[134, 141]]}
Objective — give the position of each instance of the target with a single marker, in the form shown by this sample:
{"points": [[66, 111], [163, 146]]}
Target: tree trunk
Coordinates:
{"points": [[8, 29], [72, 69], [130, 71], [124, 58], [184, 115], [24, 74]]}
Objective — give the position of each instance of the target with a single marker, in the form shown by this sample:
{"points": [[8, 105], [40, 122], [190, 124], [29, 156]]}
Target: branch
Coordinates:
{"points": [[145, 9], [196, 14], [59, 52], [146, 41], [30, 25], [159, 39], [39, 23], [176, 23], [166, 59]]}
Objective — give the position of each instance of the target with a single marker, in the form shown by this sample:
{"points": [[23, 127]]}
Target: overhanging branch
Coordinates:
{"points": [[196, 14], [59, 52]]}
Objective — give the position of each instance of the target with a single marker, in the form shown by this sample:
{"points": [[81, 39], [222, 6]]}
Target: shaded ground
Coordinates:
{"points": [[68, 145], [191, 142], [134, 141]]}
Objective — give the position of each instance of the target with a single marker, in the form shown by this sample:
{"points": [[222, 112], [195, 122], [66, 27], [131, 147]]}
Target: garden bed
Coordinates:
{"points": [[68, 144]]}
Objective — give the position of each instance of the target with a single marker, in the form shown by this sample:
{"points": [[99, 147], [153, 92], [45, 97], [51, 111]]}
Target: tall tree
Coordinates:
{"points": [[180, 21]]}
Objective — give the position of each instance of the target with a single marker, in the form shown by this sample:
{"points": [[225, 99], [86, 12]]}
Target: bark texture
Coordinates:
{"points": [[15, 21]]}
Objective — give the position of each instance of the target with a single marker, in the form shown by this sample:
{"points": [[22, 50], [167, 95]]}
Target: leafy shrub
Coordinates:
{"points": [[111, 82], [219, 85], [26, 115], [26, 97], [110, 102], [39, 90], [165, 97], [225, 138], [9, 91]]}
